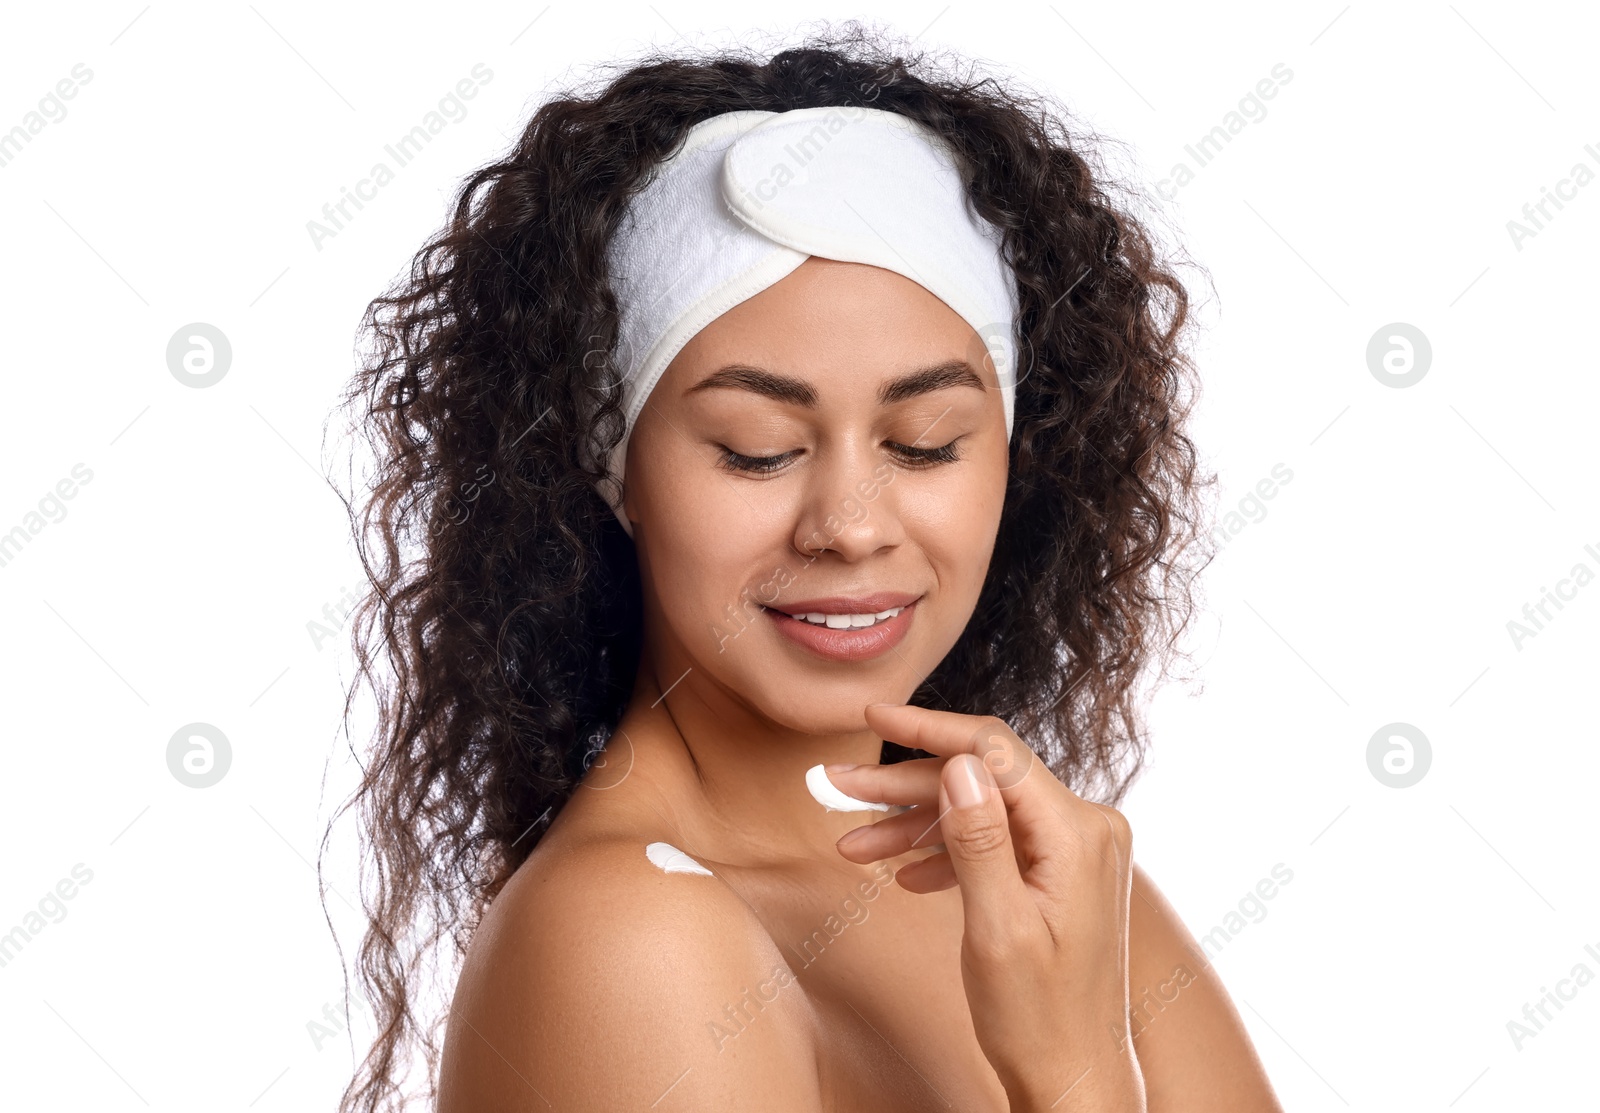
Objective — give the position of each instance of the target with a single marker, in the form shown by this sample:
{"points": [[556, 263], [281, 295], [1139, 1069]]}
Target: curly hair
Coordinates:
{"points": [[501, 632]]}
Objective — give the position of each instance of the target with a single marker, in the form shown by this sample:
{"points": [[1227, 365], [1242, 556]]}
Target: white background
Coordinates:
{"points": [[1376, 589]]}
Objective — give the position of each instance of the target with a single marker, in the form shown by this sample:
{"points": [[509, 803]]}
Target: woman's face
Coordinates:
{"points": [[840, 436]]}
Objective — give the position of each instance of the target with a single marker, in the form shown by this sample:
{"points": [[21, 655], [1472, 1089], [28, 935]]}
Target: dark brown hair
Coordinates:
{"points": [[501, 631]]}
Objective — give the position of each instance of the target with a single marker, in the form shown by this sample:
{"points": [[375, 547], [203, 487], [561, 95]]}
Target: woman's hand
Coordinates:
{"points": [[1045, 878]]}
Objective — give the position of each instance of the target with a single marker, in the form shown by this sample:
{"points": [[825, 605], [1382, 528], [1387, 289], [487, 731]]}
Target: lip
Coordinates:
{"points": [[861, 643], [849, 604]]}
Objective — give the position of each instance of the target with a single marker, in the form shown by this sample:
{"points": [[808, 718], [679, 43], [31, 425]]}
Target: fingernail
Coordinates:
{"points": [[840, 767], [968, 789], [828, 794]]}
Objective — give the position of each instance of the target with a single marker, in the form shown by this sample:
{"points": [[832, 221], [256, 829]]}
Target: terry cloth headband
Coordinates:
{"points": [[751, 195]]}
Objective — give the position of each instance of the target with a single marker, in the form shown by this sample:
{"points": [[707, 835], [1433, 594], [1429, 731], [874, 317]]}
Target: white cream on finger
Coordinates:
{"points": [[824, 792]]}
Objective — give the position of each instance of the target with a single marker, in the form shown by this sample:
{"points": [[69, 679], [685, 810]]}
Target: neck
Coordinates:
{"points": [[730, 781]]}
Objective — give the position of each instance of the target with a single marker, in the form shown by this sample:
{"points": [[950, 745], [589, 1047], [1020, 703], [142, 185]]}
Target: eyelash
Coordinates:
{"points": [[918, 457]]}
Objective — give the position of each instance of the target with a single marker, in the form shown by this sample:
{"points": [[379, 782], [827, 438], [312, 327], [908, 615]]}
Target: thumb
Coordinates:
{"points": [[977, 835]]}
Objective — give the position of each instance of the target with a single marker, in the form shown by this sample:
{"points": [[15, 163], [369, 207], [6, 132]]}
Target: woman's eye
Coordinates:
{"points": [[758, 465], [735, 461], [945, 454]]}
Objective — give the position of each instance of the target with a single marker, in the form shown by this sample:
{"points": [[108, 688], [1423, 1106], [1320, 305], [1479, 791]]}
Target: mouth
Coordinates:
{"points": [[858, 628], [844, 621]]}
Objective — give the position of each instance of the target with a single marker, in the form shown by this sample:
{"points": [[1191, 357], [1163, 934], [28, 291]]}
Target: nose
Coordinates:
{"points": [[850, 505]]}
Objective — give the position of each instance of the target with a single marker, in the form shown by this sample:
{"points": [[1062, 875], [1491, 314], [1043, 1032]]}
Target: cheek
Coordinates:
{"points": [[966, 499], [682, 493], [697, 585], [955, 521], [699, 547]]}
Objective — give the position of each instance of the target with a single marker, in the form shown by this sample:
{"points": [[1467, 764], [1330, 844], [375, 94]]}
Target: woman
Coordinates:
{"points": [[680, 569]]}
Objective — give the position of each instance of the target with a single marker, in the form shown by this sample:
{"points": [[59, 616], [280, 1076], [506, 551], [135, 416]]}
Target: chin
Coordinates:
{"points": [[814, 706], [811, 723]]}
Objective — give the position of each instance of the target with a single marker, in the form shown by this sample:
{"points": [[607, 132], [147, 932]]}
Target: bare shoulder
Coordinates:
{"points": [[599, 980], [1192, 1045]]}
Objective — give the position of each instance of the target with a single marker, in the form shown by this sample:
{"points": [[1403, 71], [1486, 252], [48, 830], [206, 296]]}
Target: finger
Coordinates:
{"points": [[1036, 797], [939, 732], [977, 836], [915, 781], [889, 838], [932, 874], [948, 733]]}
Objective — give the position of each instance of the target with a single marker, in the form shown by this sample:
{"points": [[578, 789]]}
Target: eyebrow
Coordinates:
{"points": [[798, 392]]}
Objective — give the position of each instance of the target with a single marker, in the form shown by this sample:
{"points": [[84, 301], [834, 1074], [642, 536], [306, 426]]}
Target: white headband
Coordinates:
{"points": [[752, 194]]}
